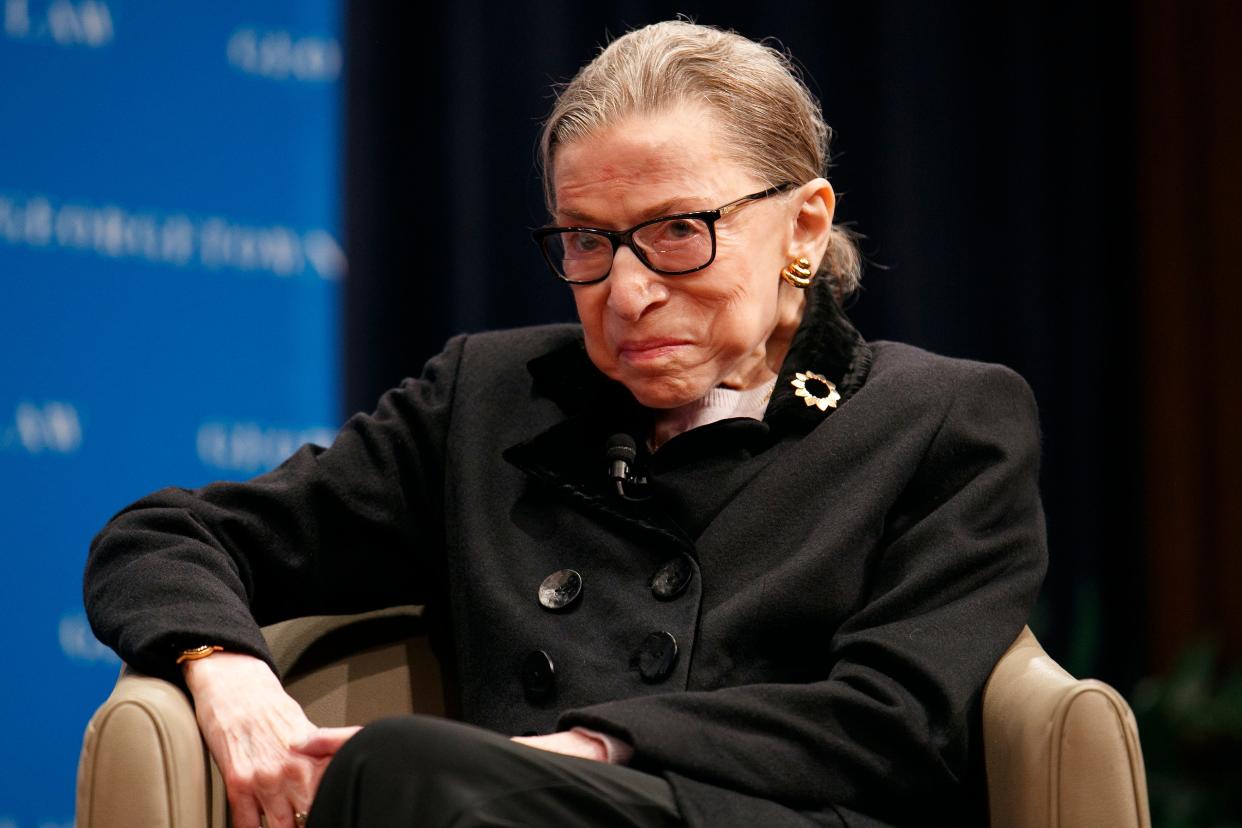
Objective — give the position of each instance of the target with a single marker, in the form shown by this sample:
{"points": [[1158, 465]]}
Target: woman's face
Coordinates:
{"points": [[671, 339]]}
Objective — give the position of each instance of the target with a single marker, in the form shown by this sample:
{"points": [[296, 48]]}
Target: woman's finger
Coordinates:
{"points": [[568, 742], [318, 766], [245, 810], [278, 813], [324, 741], [279, 803]]}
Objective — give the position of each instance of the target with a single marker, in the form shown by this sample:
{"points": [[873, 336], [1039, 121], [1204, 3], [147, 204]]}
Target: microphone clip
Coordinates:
{"points": [[621, 451]]}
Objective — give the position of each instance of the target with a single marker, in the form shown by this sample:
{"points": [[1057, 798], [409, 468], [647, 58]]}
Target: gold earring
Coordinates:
{"points": [[798, 273]]}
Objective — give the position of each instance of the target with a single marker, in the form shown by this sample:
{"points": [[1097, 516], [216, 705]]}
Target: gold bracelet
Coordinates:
{"points": [[195, 653]]}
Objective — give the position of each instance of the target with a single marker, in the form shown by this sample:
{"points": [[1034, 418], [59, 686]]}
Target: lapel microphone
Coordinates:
{"points": [[621, 451]]}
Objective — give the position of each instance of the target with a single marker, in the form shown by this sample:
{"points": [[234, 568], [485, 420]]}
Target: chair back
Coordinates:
{"points": [[347, 670]]}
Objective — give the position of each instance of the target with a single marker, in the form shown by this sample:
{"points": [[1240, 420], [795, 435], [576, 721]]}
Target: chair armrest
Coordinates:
{"points": [[1059, 751], [143, 761]]}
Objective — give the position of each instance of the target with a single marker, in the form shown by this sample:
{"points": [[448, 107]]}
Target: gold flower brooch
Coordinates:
{"points": [[822, 393]]}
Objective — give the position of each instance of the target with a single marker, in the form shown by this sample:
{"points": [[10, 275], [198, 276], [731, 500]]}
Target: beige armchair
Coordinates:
{"points": [[1059, 752]]}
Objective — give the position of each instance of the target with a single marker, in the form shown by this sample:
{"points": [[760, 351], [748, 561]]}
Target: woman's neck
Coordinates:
{"points": [[762, 365], [719, 404]]}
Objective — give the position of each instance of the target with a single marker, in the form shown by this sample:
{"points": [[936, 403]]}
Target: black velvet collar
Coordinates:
{"points": [[827, 344], [569, 456]]}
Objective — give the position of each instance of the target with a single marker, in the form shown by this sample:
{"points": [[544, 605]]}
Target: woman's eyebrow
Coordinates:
{"points": [[679, 204]]}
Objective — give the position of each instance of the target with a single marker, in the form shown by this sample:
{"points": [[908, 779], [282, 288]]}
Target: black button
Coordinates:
{"points": [[671, 580], [538, 676], [560, 589], [656, 656]]}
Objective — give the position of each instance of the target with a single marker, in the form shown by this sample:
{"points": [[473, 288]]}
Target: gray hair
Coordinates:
{"points": [[772, 123]]}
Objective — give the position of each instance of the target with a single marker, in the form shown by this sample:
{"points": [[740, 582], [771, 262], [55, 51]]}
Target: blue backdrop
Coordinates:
{"points": [[170, 266]]}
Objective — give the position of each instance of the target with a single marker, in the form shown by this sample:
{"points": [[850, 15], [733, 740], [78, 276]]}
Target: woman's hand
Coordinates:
{"points": [[271, 756], [568, 742]]}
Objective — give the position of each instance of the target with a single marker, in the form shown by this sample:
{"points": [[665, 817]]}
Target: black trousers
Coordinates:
{"points": [[425, 771]]}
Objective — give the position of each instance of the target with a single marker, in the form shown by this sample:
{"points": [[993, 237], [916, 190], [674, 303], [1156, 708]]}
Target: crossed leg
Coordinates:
{"points": [[425, 771]]}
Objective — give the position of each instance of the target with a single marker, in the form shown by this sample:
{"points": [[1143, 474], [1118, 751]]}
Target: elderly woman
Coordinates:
{"points": [[707, 558]]}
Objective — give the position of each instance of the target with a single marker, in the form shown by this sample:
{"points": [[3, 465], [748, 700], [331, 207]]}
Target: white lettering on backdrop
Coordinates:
{"points": [[173, 239]]}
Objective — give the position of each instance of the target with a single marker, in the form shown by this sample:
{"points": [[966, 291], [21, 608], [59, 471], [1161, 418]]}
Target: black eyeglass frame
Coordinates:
{"points": [[626, 237]]}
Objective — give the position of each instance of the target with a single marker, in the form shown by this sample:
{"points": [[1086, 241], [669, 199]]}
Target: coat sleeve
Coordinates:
{"points": [[887, 733], [337, 530]]}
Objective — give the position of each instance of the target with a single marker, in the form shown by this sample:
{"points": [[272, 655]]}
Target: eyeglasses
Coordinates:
{"points": [[669, 245]]}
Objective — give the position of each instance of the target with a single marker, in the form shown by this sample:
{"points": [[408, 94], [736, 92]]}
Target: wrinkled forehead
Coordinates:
{"points": [[644, 162]]}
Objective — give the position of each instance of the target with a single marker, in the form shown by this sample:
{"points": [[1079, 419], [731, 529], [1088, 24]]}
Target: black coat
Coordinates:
{"points": [[854, 573]]}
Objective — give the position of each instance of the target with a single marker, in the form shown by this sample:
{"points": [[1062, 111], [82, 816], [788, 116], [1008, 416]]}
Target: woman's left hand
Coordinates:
{"points": [[568, 742]]}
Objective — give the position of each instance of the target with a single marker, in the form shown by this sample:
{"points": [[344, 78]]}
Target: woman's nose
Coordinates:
{"points": [[633, 288]]}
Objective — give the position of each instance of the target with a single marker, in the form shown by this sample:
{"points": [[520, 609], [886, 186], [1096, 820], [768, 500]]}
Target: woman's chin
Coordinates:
{"points": [[660, 392]]}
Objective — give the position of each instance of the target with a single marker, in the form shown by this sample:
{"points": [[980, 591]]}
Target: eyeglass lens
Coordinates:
{"points": [[675, 245]]}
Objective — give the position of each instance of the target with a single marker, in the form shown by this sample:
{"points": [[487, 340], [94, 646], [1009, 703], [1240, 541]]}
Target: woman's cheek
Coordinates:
{"points": [[600, 353]]}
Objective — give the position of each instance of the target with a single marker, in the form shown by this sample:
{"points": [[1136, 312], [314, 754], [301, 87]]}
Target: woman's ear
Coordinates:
{"points": [[813, 222]]}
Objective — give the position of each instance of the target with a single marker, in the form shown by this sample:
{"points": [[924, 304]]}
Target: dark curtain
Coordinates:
{"points": [[1190, 197], [987, 151]]}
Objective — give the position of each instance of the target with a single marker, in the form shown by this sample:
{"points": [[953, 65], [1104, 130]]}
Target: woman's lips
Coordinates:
{"points": [[647, 350]]}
